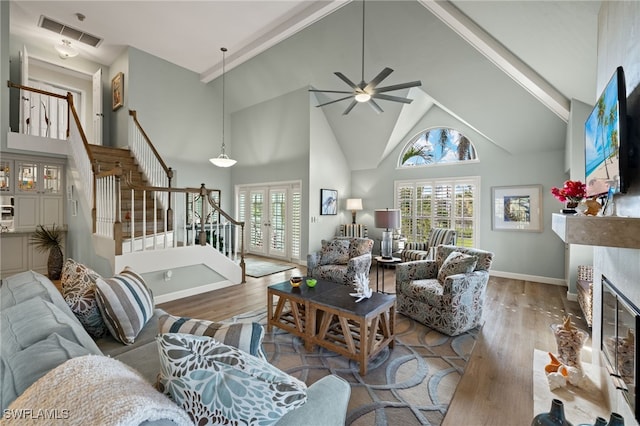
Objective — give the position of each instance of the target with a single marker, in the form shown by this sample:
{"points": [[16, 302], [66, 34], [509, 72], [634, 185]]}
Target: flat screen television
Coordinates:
{"points": [[607, 145]]}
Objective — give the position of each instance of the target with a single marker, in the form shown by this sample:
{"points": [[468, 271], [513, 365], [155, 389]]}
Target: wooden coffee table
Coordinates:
{"points": [[326, 315], [292, 305], [357, 331]]}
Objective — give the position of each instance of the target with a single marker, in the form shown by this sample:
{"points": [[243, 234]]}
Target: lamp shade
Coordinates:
{"points": [[354, 204], [388, 218]]}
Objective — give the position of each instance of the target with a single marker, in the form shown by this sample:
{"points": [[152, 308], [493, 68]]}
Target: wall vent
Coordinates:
{"points": [[69, 32]]}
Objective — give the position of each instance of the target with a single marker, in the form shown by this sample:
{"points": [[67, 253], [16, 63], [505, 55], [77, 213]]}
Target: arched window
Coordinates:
{"points": [[437, 146]]}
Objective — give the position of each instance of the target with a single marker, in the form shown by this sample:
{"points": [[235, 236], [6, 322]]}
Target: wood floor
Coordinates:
{"points": [[497, 386]]}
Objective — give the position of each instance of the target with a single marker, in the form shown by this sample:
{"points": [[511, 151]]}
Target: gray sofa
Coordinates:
{"points": [[34, 318]]}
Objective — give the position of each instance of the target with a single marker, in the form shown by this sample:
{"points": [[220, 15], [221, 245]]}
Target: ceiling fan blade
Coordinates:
{"points": [[330, 91], [375, 106], [399, 86], [378, 78], [350, 107], [392, 98], [334, 101], [346, 80]]}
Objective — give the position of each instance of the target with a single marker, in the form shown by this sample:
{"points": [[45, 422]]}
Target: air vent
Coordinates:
{"points": [[68, 32]]}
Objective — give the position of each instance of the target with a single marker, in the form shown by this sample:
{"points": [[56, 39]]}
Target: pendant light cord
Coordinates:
{"points": [[362, 79], [224, 50]]}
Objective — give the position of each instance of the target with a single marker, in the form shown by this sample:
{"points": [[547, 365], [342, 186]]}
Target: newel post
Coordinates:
{"points": [[202, 236]]}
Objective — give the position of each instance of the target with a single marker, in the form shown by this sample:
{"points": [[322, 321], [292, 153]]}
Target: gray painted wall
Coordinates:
{"points": [[328, 169], [530, 253], [4, 73]]}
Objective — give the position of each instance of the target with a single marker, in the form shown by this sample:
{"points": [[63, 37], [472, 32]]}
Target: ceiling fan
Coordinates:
{"points": [[367, 92]]}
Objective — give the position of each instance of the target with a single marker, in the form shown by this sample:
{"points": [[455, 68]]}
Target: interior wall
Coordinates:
{"points": [[4, 73], [515, 252], [270, 140], [328, 169], [178, 113], [618, 24]]}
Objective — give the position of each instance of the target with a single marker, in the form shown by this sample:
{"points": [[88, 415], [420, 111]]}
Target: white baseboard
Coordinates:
{"points": [[163, 298], [525, 277], [572, 297]]}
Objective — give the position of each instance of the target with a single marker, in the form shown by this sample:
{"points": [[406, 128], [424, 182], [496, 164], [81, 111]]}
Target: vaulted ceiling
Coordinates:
{"points": [[507, 69]]}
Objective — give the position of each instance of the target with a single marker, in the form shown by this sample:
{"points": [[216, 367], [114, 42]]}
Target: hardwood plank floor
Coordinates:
{"points": [[497, 386]]}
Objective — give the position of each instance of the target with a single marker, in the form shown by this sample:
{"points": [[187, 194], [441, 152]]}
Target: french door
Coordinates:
{"points": [[272, 217]]}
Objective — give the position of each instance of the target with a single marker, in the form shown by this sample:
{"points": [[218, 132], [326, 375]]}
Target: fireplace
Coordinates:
{"points": [[619, 345]]}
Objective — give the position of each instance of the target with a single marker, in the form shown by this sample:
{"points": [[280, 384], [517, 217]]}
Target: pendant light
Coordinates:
{"points": [[223, 159]]}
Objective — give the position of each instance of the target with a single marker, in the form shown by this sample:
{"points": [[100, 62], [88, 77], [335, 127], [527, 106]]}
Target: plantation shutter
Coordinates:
{"points": [[438, 203], [296, 222]]}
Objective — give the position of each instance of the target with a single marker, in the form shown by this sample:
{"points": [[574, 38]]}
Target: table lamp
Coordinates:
{"points": [[389, 219], [354, 204]]}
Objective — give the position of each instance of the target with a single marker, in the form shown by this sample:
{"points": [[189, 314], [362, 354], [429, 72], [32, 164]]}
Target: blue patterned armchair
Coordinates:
{"points": [[340, 259], [447, 293]]}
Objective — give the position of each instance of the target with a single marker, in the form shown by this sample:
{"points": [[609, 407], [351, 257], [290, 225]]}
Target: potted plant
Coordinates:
{"points": [[50, 239]]}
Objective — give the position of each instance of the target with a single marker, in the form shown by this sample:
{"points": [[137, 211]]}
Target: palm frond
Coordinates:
{"points": [[44, 239]]}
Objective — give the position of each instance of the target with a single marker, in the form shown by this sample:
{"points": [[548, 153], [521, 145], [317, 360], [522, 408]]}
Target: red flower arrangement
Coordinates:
{"points": [[572, 191]]}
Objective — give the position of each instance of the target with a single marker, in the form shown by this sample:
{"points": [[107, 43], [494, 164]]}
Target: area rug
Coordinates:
{"points": [[411, 384], [257, 268]]}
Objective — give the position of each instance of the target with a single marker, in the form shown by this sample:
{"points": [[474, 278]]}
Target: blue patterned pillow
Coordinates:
{"points": [[79, 291], [219, 384], [126, 304]]}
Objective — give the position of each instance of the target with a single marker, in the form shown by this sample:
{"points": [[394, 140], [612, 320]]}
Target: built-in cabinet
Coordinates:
{"points": [[18, 255], [38, 186]]}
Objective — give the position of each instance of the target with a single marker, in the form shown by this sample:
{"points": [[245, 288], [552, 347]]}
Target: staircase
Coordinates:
{"points": [[107, 159]]}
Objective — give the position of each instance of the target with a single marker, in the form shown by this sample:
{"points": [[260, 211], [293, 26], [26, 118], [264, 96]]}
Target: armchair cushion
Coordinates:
{"points": [[457, 263], [360, 246], [334, 252], [358, 260]]}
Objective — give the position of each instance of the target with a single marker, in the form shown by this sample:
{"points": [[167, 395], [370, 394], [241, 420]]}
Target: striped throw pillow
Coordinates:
{"points": [[245, 336], [126, 304]]}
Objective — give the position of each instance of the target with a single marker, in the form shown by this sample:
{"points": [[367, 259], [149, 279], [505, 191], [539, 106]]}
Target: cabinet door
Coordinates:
{"points": [[38, 260], [27, 176], [6, 182], [27, 212], [51, 179], [51, 210], [13, 254]]}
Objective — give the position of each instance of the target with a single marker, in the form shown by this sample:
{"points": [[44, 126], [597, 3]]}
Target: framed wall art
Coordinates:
{"points": [[117, 91], [328, 202], [517, 208]]}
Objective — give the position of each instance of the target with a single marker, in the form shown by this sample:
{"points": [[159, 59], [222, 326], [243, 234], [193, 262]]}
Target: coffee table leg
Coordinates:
{"points": [[311, 326], [364, 347], [269, 310]]}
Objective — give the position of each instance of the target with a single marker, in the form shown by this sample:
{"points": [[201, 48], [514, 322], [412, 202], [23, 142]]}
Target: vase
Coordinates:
{"points": [[600, 421], [616, 420], [555, 416], [55, 262], [570, 207], [569, 344]]}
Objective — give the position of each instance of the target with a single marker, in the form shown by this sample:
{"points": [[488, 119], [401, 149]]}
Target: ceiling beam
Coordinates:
{"points": [[317, 10], [493, 50]]}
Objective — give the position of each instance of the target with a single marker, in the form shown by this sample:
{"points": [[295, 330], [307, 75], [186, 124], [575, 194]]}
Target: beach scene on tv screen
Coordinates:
{"points": [[602, 142]]}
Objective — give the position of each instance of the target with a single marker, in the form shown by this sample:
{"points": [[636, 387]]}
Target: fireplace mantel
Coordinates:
{"points": [[604, 231]]}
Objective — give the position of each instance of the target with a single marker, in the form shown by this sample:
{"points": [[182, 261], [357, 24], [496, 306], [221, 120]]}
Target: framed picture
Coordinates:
{"points": [[328, 201], [117, 91], [517, 208]]}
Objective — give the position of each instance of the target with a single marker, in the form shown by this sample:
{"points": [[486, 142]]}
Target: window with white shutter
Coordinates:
{"points": [[439, 203]]}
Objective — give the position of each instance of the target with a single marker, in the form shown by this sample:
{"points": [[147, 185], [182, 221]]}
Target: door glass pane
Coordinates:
{"points": [[257, 205], [278, 216]]}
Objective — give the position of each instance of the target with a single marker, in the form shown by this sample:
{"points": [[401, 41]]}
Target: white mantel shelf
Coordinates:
{"points": [[604, 231]]}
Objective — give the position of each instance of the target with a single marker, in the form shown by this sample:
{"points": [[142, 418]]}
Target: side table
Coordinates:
{"points": [[384, 262]]}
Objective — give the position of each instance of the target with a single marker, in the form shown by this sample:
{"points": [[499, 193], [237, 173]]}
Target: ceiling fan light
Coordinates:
{"points": [[222, 160], [65, 50], [363, 97]]}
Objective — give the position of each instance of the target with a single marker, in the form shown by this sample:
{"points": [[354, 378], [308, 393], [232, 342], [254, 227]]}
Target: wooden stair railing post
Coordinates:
{"points": [[169, 209], [94, 210], [242, 265], [202, 237], [117, 224]]}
